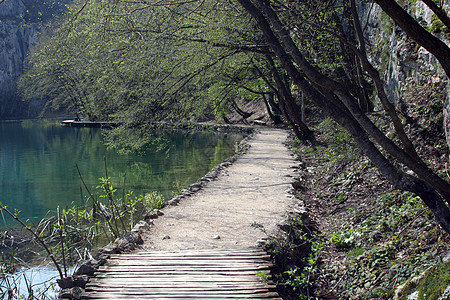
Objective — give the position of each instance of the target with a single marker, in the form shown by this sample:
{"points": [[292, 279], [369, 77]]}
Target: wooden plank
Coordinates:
{"points": [[250, 295], [263, 295], [184, 254], [169, 297], [199, 251], [176, 258], [159, 273], [192, 274], [255, 286], [168, 262], [198, 290], [179, 280]]}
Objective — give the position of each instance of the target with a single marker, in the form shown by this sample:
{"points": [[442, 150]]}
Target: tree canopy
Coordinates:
{"points": [[145, 61]]}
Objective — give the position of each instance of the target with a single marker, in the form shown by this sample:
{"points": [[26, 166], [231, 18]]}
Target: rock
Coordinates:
{"points": [[414, 296], [153, 214], [129, 240], [225, 164], [261, 243], [195, 187], [284, 225], [445, 294], [297, 185], [80, 281], [65, 283], [111, 249], [17, 37], [101, 258], [259, 122], [73, 281], [166, 237], [141, 226], [446, 257], [216, 237], [72, 293], [173, 202], [257, 225], [85, 269], [446, 113]]}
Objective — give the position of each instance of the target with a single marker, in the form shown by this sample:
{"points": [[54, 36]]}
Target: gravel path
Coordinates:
{"points": [[253, 190]]}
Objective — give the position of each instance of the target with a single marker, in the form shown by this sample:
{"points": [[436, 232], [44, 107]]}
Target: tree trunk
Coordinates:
{"points": [[399, 179], [323, 82], [242, 113], [274, 117], [292, 108]]}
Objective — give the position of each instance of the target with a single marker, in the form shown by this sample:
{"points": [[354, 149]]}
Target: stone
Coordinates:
{"points": [[72, 293], [297, 185], [73, 281], [194, 189], [166, 237], [101, 257], [445, 294], [284, 226], [259, 122], [129, 240], [446, 113], [154, 214], [111, 249], [446, 257], [80, 281], [140, 226], [65, 294], [17, 37], [85, 269], [216, 237], [173, 202], [261, 243]]}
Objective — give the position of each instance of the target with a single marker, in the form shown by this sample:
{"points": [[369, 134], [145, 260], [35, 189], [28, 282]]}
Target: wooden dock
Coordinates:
{"points": [[187, 274], [92, 124]]}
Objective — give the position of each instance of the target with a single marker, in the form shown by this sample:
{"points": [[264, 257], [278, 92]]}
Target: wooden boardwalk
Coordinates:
{"points": [[186, 274]]}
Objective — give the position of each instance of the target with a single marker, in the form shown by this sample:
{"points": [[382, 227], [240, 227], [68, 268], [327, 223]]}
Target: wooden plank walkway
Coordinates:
{"points": [[186, 274]]}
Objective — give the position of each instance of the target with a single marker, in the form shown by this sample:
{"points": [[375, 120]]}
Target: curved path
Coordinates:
{"points": [[205, 247], [253, 190]]}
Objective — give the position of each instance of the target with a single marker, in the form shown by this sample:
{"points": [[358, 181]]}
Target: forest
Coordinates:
{"points": [[136, 63]]}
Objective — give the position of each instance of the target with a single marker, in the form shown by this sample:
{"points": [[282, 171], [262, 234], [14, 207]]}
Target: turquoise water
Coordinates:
{"points": [[38, 164]]}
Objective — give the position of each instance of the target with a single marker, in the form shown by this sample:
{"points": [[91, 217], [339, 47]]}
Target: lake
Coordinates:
{"points": [[38, 164]]}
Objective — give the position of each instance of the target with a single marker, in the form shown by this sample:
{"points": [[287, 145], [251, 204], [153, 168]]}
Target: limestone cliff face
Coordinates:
{"points": [[405, 62], [15, 40]]}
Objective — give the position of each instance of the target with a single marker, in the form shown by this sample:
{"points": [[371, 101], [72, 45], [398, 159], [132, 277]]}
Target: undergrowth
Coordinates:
{"points": [[70, 235], [295, 252], [372, 238]]}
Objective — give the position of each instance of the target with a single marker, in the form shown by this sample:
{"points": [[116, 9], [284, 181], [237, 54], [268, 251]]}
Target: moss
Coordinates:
{"points": [[430, 286], [436, 25], [434, 282]]}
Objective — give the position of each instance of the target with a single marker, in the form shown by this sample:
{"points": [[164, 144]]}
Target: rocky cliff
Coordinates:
{"points": [[16, 37], [408, 65]]}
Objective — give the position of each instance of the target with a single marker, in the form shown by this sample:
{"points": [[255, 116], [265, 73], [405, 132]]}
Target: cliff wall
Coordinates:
{"points": [[16, 37], [407, 65]]}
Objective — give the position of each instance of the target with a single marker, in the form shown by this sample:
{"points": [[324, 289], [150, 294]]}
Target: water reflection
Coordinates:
{"points": [[38, 164]]}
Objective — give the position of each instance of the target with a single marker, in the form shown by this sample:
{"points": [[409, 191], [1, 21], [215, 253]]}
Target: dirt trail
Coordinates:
{"points": [[252, 190]]}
